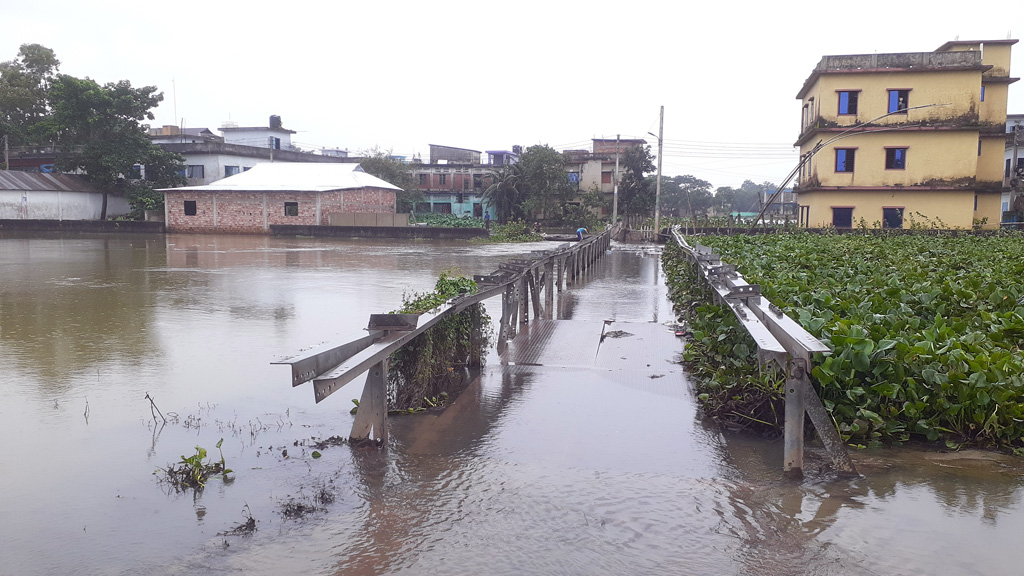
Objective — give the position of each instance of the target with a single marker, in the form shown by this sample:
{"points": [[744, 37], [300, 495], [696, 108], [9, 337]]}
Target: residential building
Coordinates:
{"points": [[209, 157], [886, 138], [595, 169], [454, 181], [251, 202]]}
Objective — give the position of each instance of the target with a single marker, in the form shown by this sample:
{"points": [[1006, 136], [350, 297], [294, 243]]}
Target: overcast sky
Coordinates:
{"points": [[487, 75]]}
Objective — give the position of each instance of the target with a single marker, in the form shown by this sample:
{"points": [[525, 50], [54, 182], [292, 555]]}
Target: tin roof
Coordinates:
{"points": [[14, 180], [296, 177]]}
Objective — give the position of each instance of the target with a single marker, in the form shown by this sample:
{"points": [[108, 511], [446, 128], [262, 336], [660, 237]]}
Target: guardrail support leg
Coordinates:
{"points": [[524, 300], [535, 293], [372, 414], [826, 429], [793, 457], [549, 289], [506, 316]]}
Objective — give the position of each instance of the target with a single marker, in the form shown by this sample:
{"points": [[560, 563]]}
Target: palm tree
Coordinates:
{"points": [[506, 191]]}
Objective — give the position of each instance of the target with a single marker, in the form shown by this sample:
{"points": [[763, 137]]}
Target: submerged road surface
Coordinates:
{"points": [[579, 452]]}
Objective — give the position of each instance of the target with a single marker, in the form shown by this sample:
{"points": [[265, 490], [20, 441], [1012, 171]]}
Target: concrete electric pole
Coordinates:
{"points": [[657, 190]]}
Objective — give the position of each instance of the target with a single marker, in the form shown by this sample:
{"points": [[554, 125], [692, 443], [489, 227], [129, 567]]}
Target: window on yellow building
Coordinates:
{"points": [[848, 101], [844, 159], [606, 177], [895, 158], [899, 101], [892, 217], [842, 216]]}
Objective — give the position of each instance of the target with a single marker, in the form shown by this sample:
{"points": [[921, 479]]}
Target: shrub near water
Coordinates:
{"points": [[926, 331], [425, 369], [722, 356]]}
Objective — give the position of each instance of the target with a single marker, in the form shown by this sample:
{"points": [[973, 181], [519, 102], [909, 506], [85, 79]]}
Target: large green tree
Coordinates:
{"points": [[24, 83], [547, 189], [100, 132], [686, 195], [746, 198], [636, 195], [383, 165]]}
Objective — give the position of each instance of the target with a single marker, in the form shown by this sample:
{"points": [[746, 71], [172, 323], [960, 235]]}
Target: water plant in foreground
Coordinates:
{"points": [[926, 330], [193, 471]]}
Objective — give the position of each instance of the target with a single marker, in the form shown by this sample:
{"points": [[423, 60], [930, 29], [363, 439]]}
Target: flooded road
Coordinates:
{"points": [[530, 471]]}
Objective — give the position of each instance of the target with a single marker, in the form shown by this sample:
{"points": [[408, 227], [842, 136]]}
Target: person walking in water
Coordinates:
{"points": [[580, 232]]}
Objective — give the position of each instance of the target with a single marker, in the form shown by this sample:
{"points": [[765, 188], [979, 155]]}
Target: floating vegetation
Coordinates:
{"points": [[926, 330], [193, 471], [246, 529]]}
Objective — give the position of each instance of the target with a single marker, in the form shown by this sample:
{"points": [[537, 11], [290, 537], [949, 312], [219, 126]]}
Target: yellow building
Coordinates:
{"points": [[890, 139]]}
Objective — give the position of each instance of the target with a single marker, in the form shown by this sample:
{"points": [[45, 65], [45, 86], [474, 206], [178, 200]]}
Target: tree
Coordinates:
{"points": [[636, 196], [506, 192], [100, 133], [385, 166], [686, 195], [24, 83], [546, 187]]}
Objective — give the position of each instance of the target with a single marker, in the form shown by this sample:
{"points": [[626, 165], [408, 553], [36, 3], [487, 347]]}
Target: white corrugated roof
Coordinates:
{"points": [[296, 177]]}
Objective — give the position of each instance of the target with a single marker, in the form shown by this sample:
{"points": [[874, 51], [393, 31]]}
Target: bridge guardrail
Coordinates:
{"points": [[520, 282], [781, 340]]}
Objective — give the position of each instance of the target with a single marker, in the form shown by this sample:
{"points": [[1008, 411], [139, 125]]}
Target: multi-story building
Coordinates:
{"points": [[595, 170], [885, 138], [209, 157], [455, 179]]}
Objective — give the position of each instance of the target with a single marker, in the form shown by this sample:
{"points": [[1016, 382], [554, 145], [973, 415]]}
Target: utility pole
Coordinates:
{"points": [[657, 190], [7, 155], [615, 188]]}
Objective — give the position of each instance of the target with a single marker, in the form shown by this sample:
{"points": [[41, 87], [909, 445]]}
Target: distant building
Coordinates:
{"points": [[1012, 202], [279, 193], [35, 196], [451, 155], [454, 181], [919, 133], [274, 136], [785, 205], [595, 170], [209, 157]]}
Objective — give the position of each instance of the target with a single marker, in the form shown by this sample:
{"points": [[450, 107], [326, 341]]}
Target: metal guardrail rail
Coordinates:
{"points": [[520, 283], [781, 340]]}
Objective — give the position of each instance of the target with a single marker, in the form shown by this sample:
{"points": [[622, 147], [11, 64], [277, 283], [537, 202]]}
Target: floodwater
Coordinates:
{"points": [[536, 471]]}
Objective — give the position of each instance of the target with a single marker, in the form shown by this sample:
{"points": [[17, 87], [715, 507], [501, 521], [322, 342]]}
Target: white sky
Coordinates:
{"points": [[487, 75]]}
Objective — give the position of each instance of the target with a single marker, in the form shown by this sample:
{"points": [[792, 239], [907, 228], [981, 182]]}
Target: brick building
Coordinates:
{"points": [[279, 193]]}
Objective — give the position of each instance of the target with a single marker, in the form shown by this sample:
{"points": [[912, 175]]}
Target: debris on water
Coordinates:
{"points": [[615, 334]]}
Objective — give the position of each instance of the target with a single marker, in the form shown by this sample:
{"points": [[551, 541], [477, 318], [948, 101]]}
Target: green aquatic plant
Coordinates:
{"points": [[926, 331]]}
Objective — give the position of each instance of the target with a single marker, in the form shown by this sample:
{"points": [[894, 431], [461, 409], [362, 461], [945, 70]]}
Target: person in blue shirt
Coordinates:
{"points": [[580, 232]]}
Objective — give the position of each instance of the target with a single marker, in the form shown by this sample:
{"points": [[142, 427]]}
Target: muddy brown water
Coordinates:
{"points": [[537, 472]]}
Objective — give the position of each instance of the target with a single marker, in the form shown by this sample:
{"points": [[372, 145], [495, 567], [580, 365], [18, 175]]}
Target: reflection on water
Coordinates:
{"points": [[547, 470]]}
